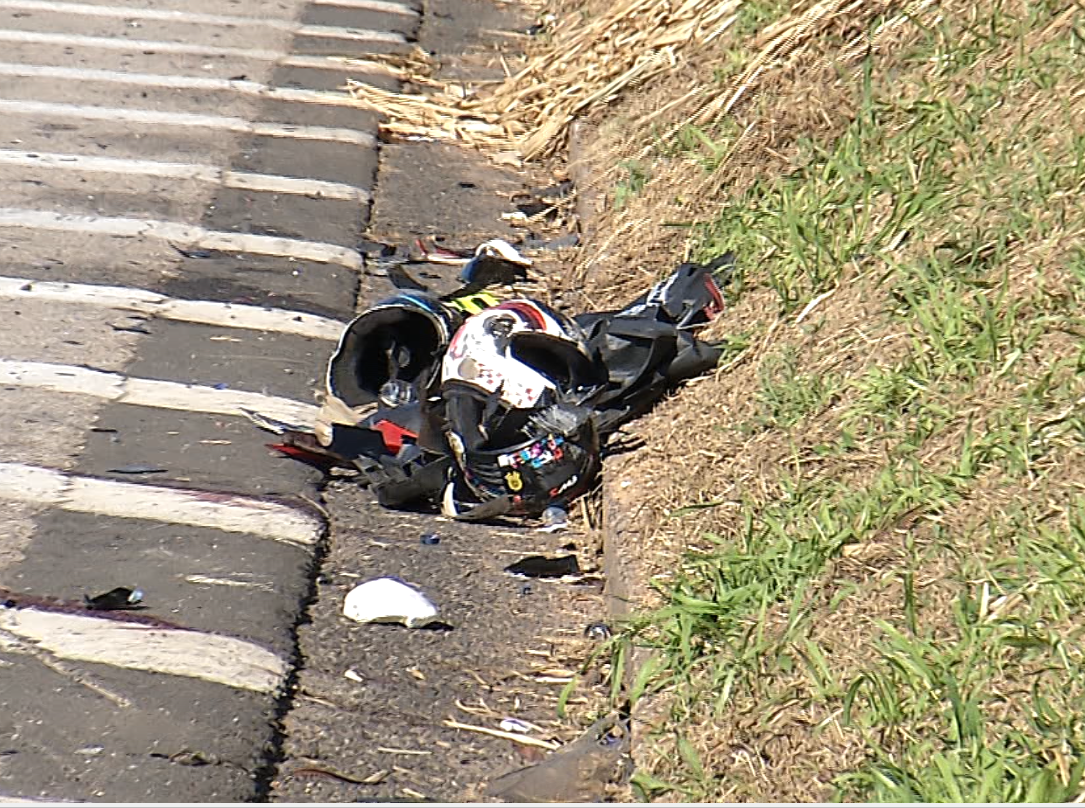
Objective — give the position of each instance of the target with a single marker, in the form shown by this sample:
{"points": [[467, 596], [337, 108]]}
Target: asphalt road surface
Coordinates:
{"points": [[184, 192], [184, 186]]}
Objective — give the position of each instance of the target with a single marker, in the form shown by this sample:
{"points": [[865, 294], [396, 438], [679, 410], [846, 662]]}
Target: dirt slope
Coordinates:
{"points": [[864, 533]]}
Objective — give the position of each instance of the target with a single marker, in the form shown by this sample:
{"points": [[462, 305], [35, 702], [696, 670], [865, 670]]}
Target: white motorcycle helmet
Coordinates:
{"points": [[523, 440], [519, 350]]}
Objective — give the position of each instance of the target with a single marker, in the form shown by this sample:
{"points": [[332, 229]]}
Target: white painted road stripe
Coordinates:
{"points": [[49, 110], [231, 513], [382, 6], [151, 47], [356, 34], [6, 799], [272, 183], [210, 657], [289, 26], [184, 235], [346, 63], [207, 312], [158, 393], [370, 5], [253, 88]]}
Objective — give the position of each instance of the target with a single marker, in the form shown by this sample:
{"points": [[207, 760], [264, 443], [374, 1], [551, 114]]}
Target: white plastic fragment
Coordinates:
{"points": [[388, 600], [353, 675], [516, 725], [499, 248]]}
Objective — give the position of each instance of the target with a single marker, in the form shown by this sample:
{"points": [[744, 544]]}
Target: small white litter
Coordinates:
{"points": [[389, 600], [516, 725], [499, 248]]}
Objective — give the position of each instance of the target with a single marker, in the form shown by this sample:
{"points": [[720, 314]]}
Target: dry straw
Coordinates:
{"points": [[583, 63]]}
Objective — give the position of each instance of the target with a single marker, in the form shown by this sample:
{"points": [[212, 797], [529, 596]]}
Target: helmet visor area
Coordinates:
{"points": [[389, 344], [559, 360]]}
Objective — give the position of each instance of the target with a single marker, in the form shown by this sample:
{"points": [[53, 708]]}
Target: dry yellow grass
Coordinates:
{"points": [[582, 64]]}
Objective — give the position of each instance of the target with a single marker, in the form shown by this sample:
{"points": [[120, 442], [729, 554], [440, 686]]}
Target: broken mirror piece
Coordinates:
{"points": [[115, 599], [389, 600]]}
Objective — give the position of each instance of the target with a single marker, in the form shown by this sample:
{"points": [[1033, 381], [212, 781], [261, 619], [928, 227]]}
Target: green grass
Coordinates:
{"points": [[952, 203], [903, 167], [627, 188], [788, 395], [930, 700]]}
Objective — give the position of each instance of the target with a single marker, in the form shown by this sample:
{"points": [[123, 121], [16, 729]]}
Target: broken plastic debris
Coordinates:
{"points": [[388, 600], [430, 538], [495, 262], [353, 675], [195, 253], [306, 447], [119, 598], [538, 566], [597, 631], [273, 424], [554, 519], [133, 329]]}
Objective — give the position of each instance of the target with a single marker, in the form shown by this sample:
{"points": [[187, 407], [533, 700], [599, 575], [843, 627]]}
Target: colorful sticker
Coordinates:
{"points": [[538, 454], [514, 481]]}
